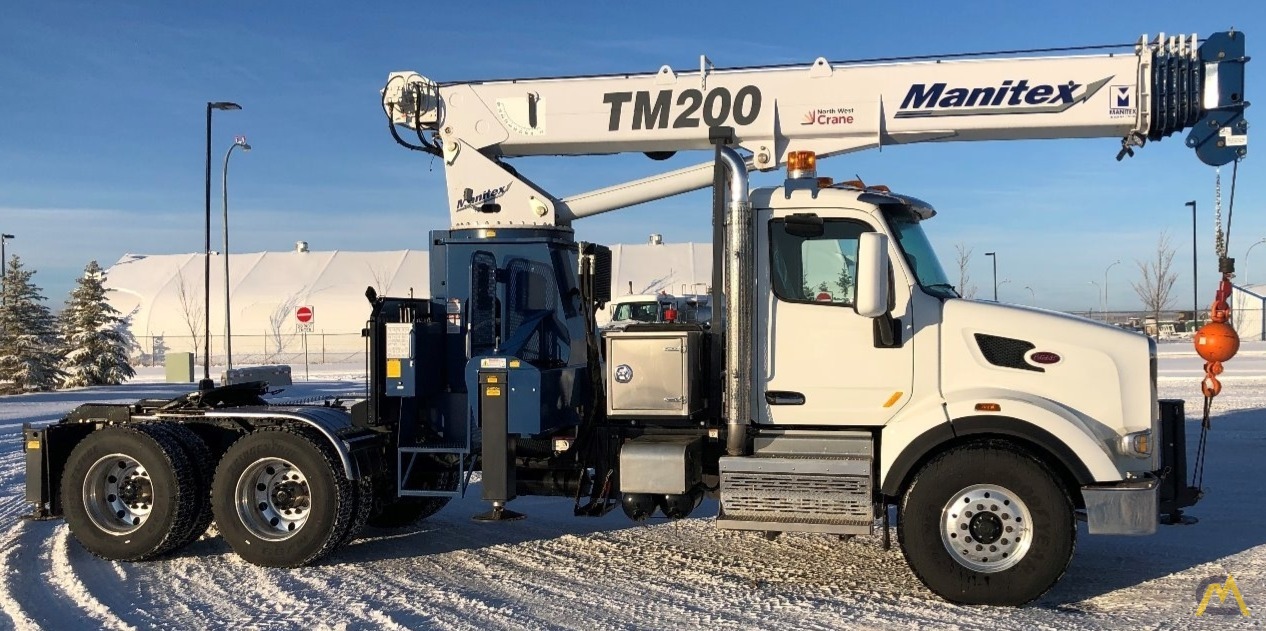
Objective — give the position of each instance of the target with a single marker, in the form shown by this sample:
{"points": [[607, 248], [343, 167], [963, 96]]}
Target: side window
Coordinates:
{"points": [[484, 310], [820, 269]]}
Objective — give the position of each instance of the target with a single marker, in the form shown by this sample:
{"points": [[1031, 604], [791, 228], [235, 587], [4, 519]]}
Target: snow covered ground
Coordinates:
{"points": [[553, 570]]}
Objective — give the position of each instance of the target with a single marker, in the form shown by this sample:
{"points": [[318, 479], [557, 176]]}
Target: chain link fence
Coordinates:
{"points": [[256, 349]]}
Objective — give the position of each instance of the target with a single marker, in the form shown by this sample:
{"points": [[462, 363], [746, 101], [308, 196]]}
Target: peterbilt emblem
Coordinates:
{"points": [[1045, 357], [623, 373]]}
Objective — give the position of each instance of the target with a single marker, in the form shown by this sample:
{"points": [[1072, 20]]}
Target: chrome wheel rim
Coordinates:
{"points": [[118, 494], [273, 499], [986, 528]]}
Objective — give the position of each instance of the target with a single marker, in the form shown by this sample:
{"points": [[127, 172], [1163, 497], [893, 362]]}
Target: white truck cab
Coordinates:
{"points": [[932, 358]]}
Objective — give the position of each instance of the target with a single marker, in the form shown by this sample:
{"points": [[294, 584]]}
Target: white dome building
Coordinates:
{"points": [[163, 296]]}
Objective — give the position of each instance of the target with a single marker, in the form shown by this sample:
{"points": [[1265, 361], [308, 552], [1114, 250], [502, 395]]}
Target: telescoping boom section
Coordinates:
{"points": [[1162, 86]]}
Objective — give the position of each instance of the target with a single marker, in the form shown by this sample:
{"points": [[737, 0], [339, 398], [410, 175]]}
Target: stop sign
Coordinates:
{"points": [[304, 314]]}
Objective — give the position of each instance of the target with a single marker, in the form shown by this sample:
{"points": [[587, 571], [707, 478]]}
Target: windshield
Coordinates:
{"points": [[637, 311], [920, 257]]}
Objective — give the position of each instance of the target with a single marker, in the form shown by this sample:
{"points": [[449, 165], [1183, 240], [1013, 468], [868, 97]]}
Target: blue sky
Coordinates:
{"points": [[102, 128]]}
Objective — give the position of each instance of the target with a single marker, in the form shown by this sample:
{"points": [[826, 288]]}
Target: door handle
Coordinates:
{"points": [[783, 397]]}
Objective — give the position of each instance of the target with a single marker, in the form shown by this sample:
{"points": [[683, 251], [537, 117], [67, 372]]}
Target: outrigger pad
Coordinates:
{"points": [[1177, 518], [499, 513]]}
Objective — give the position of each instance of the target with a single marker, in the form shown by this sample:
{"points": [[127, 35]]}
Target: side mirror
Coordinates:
{"points": [[803, 225], [872, 275]]}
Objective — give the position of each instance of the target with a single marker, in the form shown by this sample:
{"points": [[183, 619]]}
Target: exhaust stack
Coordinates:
{"points": [[738, 302]]}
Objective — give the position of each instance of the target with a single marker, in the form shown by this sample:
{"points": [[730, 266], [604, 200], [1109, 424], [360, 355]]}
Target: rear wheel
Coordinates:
{"points": [[202, 466], [987, 524], [129, 492], [281, 499]]}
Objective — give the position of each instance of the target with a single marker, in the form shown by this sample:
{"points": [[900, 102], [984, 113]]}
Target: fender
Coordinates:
{"points": [[1059, 433], [332, 423], [916, 430]]}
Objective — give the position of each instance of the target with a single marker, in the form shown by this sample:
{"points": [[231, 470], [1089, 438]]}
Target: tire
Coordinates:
{"points": [[1004, 491], [204, 471], [281, 499], [363, 492], [129, 493], [403, 512]]}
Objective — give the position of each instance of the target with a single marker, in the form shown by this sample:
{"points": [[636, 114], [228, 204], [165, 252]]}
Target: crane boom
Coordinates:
{"points": [[1163, 86]]}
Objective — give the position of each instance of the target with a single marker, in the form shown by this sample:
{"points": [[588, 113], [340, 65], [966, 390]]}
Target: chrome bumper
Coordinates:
{"points": [[1131, 507]]}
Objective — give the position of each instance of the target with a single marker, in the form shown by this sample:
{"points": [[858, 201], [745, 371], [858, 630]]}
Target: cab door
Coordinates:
{"points": [[818, 361]]}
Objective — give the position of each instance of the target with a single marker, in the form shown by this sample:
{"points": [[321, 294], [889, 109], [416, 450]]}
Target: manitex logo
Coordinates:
{"points": [[1224, 590], [1010, 97]]}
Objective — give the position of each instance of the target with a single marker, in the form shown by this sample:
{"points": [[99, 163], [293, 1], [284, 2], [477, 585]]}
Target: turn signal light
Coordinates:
{"points": [[802, 164], [988, 407], [1137, 444]]}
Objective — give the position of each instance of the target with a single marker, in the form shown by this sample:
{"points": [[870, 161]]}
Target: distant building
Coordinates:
{"points": [[163, 295], [1248, 311]]}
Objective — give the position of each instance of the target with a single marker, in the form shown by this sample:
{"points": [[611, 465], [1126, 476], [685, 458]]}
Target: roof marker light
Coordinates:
{"points": [[802, 164]]}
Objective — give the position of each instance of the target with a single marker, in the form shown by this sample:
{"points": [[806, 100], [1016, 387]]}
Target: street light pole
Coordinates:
{"points": [[1195, 292], [1250, 251], [239, 141], [1104, 306], [207, 383], [994, 256], [4, 267], [1032, 294]]}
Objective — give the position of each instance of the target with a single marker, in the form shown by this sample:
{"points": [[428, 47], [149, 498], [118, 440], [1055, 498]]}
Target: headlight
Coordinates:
{"points": [[1137, 444]]}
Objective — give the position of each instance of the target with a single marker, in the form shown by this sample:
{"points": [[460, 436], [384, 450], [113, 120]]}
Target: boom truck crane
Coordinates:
{"points": [[992, 428]]}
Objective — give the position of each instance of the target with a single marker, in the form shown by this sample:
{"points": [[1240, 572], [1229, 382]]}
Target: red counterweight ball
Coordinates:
{"points": [[1217, 342]]}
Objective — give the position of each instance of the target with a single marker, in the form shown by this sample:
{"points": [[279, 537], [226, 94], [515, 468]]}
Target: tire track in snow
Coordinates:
{"points": [[65, 578], [9, 604], [428, 591]]}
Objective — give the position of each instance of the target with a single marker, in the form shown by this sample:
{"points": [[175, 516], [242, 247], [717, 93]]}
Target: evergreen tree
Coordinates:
{"points": [[96, 342], [28, 334]]}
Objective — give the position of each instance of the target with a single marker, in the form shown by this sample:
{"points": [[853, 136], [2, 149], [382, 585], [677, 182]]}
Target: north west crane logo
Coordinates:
{"points": [[1010, 97], [828, 116]]}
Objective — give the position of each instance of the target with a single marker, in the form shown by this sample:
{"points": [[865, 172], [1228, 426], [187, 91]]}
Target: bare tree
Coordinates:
{"points": [[193, 309], [1156, 284], [963, 258], [277, 320], [382, 279]]}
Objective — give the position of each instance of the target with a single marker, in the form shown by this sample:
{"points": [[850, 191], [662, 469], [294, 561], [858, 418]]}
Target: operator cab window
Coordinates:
{"points": [[637, 311], [820, 270]]}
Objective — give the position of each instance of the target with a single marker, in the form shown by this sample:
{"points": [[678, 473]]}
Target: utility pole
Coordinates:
{"points": [[207, 383], [994, 256], [1195, 292], [4, 266], [239, 141]]}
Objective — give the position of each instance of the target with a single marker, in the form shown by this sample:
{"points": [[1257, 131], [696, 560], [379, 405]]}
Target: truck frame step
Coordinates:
{"points": [[830, 494]]}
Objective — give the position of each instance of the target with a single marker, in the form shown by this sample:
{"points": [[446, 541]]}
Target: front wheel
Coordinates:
{"points": [[281, 499], [987, 524]]}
